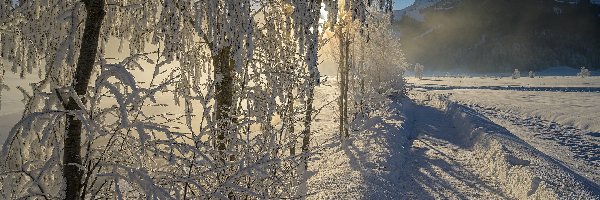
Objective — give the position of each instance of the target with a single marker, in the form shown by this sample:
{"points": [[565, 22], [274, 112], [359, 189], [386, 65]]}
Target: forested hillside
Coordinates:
{"points": [[501, 35]]}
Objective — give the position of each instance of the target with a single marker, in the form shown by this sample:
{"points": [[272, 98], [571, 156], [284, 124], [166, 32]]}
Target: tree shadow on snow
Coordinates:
{"points": [[439, 174], [392, 169]]}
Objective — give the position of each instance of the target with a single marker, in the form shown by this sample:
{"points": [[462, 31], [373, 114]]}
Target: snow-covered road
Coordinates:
{"points": [[438, 161], [404, 153], [501, 157]]}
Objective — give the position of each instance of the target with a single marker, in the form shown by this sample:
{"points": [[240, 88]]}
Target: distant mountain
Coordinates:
{"points": [[414, 10], [500, 35]]}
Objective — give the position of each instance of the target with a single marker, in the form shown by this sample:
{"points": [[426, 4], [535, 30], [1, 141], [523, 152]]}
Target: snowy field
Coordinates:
{"points": [[537, 97], [508, 82]]}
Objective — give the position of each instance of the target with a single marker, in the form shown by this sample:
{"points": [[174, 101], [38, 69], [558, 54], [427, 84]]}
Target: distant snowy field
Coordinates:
{"points": [[546, 81], [535, 97]]}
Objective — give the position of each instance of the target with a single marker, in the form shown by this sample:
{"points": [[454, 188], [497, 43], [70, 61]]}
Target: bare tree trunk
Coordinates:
{"points": [[291, 123], [308, 121], [85, 64], [346, 85], [224, 74], [362, 80], [343, 82]]}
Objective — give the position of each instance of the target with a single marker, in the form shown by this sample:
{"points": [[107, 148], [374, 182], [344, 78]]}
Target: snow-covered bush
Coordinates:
{"points": [[378, 71], [354, 45], [516, 74], [531, 74], [584, 72]]}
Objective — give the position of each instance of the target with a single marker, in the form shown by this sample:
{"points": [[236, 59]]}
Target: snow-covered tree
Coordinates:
{"points": [[232, 65], [352, 33], [516, 74], [378, 70], [419, 69], [531, 74], [584, 72], [50, 33]]}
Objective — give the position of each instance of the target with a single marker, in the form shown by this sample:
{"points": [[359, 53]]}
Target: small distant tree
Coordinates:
{"points": [[516, 74], [531, 74], [419, 71], [584, 72]]}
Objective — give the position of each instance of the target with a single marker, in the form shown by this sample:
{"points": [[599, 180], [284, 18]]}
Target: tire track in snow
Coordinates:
{"points": [[440, 160]]}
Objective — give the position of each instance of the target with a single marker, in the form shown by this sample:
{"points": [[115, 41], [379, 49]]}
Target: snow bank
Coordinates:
{"points": [[519, 169], [513, 173], [494, 160]]}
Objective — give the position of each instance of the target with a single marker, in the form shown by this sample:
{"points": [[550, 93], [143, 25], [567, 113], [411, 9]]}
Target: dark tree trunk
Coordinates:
{"points": [[224, 74], [308, 121], [290, 118], [85, 64], [341, 69], [346, 85], [343, 82]]}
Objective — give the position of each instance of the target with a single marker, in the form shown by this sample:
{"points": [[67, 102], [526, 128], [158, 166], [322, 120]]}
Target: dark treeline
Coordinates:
{"points": [[494, 35]]}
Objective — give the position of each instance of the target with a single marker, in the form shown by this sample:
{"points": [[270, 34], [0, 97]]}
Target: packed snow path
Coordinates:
{"points": [[389, 160], [438, 165]]}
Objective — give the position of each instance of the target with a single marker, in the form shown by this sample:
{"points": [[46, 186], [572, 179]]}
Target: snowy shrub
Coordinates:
{"points": [[370, 62], [531, 74], [584, 72], [516, 74], [378, 70]]}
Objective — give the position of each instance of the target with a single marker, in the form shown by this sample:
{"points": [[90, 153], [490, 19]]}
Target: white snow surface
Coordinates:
{"points": [[546, 81], [432, 147], [530, 97], [556, 115], [579, 110]]}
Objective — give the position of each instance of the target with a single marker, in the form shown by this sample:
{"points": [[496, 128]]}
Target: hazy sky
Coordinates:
{"points": [[400, 4]]}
